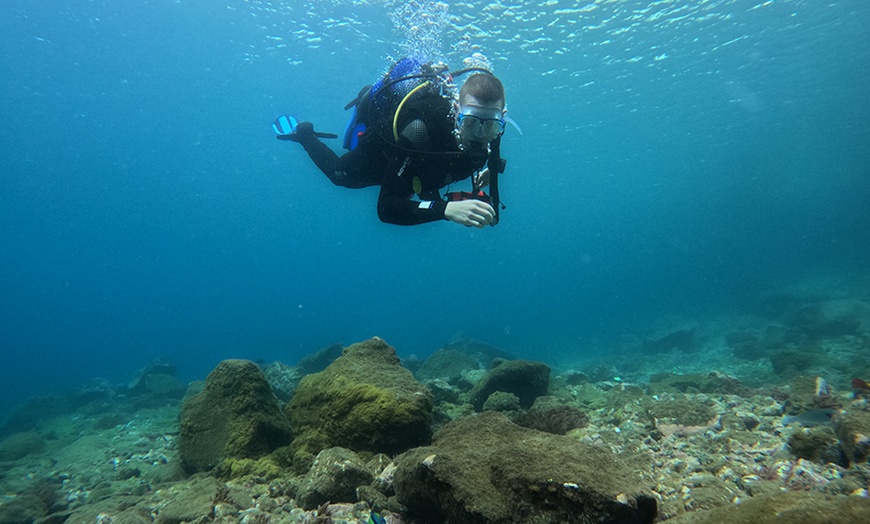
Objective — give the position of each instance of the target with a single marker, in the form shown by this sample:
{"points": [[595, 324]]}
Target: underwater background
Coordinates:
{"points": [[679, 159]]}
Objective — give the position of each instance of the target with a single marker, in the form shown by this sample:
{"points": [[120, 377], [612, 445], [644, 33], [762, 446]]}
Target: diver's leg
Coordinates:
{"points": [[353, 169]]}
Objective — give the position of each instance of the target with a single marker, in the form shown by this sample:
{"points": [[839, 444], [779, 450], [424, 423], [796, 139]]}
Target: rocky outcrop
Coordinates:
{"points": [[446, 364], [235, 416], [335, 476], [680, 338], [364, 401], [485, 469], [853, 430], [795, 507], [526, 379], [833, 318], [317, 362]]}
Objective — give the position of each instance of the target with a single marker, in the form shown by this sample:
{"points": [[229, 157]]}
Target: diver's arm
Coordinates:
{"points": [[395, 204], [321, 154]]}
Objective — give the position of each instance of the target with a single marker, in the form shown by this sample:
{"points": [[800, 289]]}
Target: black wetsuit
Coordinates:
{"points": [[426, 155]]}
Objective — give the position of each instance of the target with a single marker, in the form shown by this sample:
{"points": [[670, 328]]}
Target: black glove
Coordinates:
{"points": [[304, 131]]}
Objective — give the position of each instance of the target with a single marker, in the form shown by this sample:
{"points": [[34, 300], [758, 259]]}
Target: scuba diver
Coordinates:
{"points": [[411, 134]]}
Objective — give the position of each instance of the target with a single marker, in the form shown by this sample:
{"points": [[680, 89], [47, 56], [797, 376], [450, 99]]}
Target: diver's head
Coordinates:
{"points": [[480, 117]]}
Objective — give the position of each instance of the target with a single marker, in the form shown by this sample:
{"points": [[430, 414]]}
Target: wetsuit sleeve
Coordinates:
{"points": [[395, 203], [322, 155]]}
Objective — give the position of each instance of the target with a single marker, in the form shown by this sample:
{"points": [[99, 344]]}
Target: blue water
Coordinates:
{"points": [[678, 158]]}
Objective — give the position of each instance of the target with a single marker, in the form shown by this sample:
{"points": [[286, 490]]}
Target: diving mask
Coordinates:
{"points": [[475, 126]]}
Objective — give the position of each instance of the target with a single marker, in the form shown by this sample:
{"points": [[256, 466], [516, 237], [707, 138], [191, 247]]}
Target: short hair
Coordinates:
{"points": [[484, 87]]}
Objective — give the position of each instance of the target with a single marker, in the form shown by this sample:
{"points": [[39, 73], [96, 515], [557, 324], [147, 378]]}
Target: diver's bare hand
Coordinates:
{"points": [[471, 213]]}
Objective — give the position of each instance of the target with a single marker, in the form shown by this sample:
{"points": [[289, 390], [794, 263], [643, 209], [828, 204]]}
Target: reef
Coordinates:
{"points": [[746, 420]]}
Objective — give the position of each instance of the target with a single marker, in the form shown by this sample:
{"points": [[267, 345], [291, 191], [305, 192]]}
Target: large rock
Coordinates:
{"points": [[526, 379], [681, 338], [156, 381], [188, 501], [317, 362], [853, 430], [34, 504], [21, 445], [334, 477], [235, 416], [364, 401], [485, 469], [833, 318], [446, 364], [794, 507]]}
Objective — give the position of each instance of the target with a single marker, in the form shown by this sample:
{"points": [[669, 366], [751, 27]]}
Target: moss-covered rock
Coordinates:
{"points": [[817, 444], [21, 445], [853, 430], [713, 382], [117, 508], [446, 364], [591, 397], [678, 338], [442, 391], [235, 416], [283, 379], [267, 467], [551, 415], [502, 401], [317, 362], [833, 318], [23, 509], [334, 477], [484, 468], [526, 379], [364, 401], [682, 411], [793, 507], [189, 501], [793, 361]]}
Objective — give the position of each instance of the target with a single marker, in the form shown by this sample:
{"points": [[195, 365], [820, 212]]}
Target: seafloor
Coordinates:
{"points": [[746, 418]]}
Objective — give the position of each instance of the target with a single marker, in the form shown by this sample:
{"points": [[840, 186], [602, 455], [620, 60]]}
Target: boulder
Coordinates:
{"points": [[364, 401], [283, 379], [188, 501], [159, 386], [20, 445], [334, 477], [34, 411], [446, 364], [479, 350], [551, 415], [681, 338], [853, 430], [794, 507], [317, 362], [485, 469], [502, 401], [235, 416], [157, 367], [526, 379], [833, 318], [817, 444], [34, 504], [112, 510]]}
